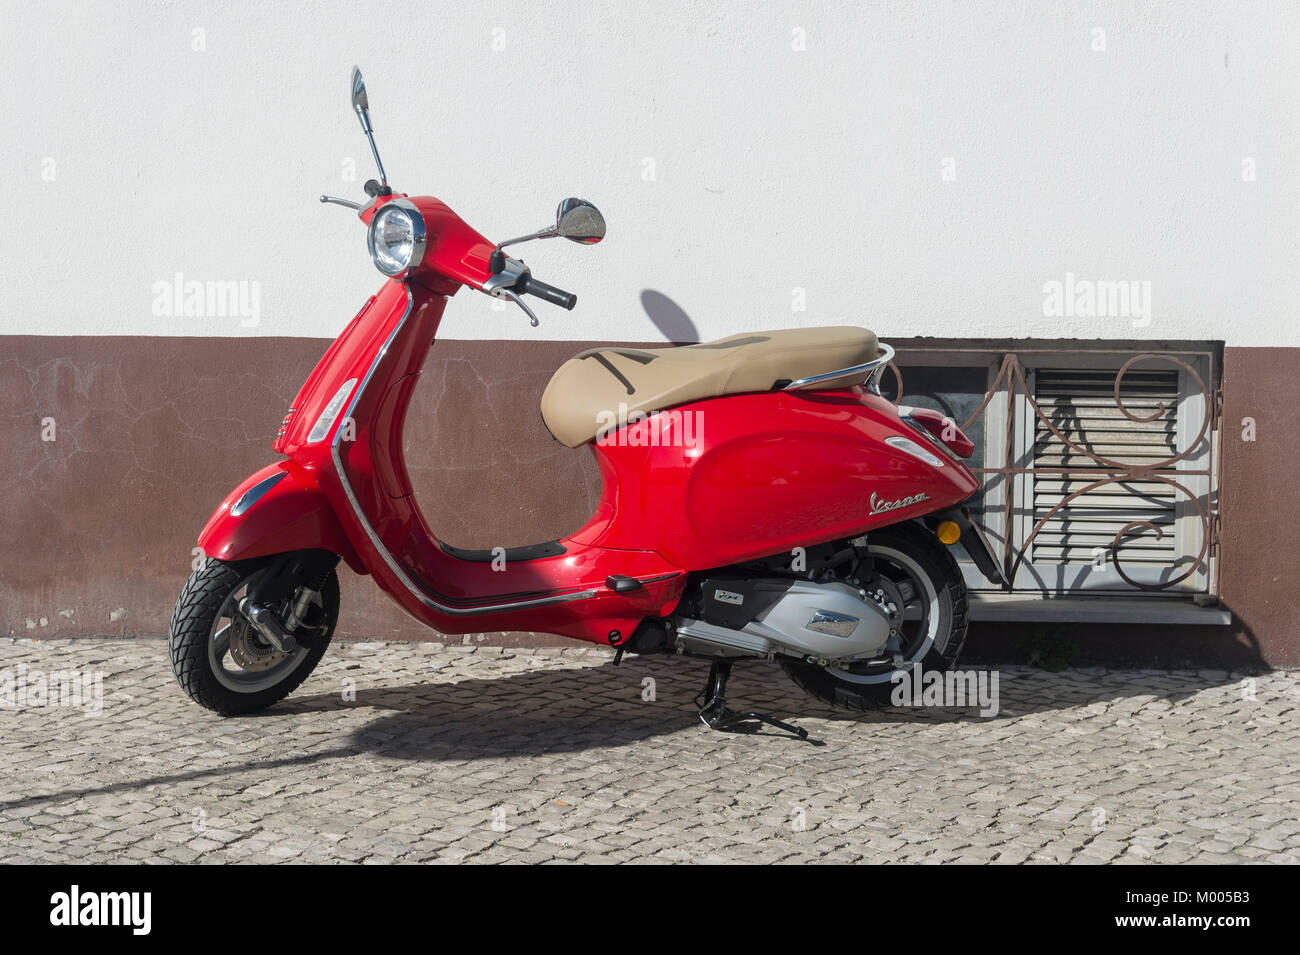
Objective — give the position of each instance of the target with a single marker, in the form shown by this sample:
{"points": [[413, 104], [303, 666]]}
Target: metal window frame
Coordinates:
{"points": [[1010, 415]]}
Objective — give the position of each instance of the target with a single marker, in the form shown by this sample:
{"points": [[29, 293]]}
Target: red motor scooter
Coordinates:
{"points": [[760, 498]]}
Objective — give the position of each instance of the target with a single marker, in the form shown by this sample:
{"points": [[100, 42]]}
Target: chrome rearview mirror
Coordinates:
{"points": [[575, 219], [580, 221], [359, 101], [361, 104]]}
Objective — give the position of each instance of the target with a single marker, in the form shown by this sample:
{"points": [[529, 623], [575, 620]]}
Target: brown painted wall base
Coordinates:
{"points": [[1259, 497], [98, 525]]}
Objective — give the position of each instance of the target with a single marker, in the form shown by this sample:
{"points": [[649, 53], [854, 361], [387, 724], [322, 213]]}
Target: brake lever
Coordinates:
{"points": [[514, 297], [342, 202], [499, 285]]}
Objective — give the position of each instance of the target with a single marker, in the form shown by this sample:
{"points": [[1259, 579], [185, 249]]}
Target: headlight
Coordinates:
{"points": [[396, 238]]}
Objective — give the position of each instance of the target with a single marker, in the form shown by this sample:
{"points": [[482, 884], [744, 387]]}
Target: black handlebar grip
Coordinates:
{"points": [[556, 296]]}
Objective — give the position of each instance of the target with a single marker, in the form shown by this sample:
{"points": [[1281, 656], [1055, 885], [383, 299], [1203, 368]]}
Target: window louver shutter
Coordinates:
{"points": [[1081, 404]]}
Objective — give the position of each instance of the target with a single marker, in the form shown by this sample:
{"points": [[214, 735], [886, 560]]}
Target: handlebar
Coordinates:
{"points": [[527, 285], [511, 279]]}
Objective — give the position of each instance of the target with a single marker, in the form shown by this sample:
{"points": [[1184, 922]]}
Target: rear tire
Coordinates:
{"points": [[903, 549], [200, 644]]}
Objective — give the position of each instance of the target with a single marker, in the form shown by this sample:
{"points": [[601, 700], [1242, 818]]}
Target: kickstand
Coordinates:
{"points": [[715, 714]]}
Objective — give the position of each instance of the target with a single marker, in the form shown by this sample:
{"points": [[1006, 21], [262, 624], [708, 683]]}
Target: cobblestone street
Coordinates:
{"points": [[452, 753]]}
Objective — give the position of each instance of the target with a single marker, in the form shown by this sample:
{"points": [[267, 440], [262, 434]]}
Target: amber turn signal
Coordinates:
{"points": [[948, 532]]}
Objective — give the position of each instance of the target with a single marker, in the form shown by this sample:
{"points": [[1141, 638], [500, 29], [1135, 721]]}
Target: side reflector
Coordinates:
{"points": [[948, 532]]}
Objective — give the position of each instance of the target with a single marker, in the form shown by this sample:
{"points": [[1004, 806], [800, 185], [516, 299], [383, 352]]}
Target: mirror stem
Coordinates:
{"points": [[383, 176], [548, 233], [370, 137]]}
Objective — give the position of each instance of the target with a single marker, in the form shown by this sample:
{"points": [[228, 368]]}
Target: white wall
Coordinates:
{"points": [[775, 169]]}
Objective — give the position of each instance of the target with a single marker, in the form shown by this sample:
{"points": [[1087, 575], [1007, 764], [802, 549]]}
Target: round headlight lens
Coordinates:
{"points": [[396, 238]]}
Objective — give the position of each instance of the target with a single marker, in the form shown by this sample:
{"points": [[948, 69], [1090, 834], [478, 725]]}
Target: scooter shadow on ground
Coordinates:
{"points": [[553, 711]]}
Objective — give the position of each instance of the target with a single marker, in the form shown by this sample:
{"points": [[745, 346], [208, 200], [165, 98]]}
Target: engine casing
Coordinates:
{"points": [[827, 621]]}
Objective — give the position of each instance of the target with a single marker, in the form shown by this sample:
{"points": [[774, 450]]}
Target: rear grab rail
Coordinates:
{"points": [[872, 371]]}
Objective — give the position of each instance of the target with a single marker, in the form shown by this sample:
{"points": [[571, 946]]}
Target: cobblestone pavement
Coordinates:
{"points": [[452, 753]]}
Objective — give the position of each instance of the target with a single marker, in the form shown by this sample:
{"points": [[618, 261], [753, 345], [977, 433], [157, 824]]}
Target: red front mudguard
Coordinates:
{"points": [[278, 509]]}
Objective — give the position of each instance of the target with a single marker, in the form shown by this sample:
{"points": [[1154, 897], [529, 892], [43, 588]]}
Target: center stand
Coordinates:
{"points": [[715, 714]]}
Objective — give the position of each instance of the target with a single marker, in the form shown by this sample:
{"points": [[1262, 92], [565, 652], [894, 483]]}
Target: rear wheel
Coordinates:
{"points": [[917, 567], [219, 658]]}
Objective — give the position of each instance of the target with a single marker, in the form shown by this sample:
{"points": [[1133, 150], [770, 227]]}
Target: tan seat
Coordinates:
{"points": [[593, 386]]}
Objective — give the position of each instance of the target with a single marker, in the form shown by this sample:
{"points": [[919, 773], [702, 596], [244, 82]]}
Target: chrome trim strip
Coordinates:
{"points": [[254, 493], [379, 545], [876, 366], [832, 623]]}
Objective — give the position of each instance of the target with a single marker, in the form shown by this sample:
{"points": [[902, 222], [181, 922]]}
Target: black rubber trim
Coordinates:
{"points": [[512, 554]]}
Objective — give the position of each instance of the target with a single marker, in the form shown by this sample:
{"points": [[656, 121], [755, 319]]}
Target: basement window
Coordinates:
{"points": [[1083, 495]]}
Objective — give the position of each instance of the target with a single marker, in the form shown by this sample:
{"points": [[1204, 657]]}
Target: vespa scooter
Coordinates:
{"points": [[760, 498]]}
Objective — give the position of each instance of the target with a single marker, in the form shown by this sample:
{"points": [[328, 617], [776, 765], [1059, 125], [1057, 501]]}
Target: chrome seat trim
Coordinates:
{"points": [[871, 370]]}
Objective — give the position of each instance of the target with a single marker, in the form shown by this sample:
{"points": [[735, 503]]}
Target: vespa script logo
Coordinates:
{"points": [[880, 507]]}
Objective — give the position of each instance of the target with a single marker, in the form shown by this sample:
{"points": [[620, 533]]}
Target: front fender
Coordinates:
{"points": [[277, 509]]}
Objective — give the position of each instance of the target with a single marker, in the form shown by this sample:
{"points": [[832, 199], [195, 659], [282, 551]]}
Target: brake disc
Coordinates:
{"points": [[250, 652]]}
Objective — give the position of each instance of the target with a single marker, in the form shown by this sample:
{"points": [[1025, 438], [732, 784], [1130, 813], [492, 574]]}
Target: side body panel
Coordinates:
{"points": [[746, 476]]}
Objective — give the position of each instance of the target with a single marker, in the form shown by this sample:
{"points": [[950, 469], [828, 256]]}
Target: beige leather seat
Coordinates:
{"points": [[590, 387]]}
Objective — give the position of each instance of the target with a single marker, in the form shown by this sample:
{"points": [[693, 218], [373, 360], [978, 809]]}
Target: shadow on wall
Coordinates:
{"points": [[667, 316]]}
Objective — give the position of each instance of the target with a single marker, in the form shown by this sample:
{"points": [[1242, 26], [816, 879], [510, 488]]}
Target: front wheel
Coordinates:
{"points": [[927, 577], [219, 658]]}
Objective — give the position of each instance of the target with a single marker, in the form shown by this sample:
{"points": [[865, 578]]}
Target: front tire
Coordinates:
{"points": [[217, 656], [933, 633]]}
